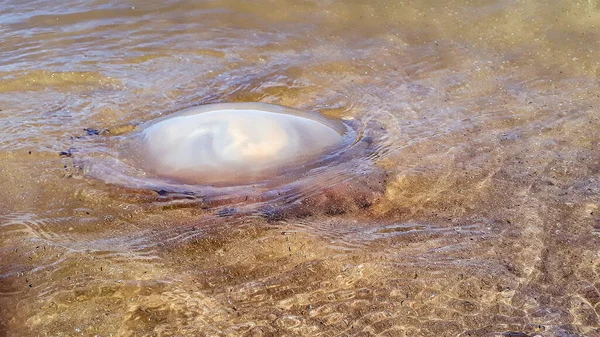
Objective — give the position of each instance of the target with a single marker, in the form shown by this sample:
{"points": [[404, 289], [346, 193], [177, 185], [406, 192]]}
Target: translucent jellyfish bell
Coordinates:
{"points": [[233, 143]]}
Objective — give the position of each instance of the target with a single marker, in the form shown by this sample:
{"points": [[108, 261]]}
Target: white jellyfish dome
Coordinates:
{"points": [[234, 142]]}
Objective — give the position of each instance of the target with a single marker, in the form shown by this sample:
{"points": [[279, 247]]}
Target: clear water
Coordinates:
{"points": [[485, 222]]}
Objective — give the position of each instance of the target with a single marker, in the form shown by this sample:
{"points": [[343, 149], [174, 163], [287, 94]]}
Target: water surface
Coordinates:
{"points": [[486, 225]]}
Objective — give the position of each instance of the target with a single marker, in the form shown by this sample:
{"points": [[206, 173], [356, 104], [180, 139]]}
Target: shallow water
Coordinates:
{"points": [[484, 113]]}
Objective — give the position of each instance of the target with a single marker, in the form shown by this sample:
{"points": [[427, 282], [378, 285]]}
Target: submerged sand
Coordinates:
{"points": [[488, 123]]}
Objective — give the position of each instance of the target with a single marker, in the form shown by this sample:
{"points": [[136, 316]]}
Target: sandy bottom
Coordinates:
{"points": [[483, 189]]}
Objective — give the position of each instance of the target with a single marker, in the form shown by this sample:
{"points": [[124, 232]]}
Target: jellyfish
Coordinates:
{"points": [[225, 144], [257, 157]]}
